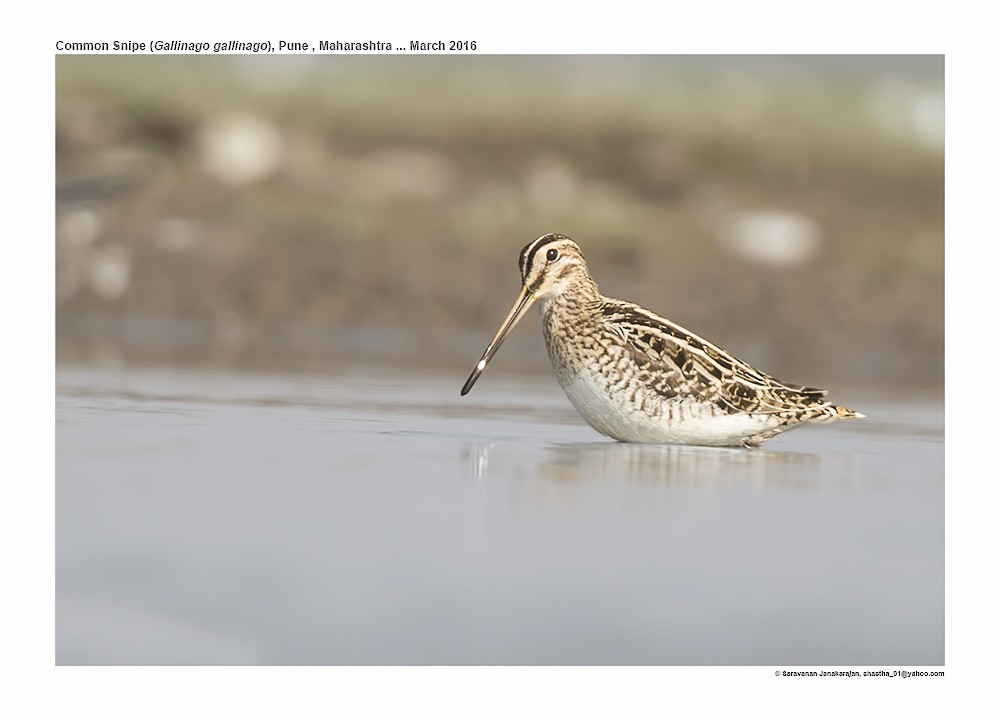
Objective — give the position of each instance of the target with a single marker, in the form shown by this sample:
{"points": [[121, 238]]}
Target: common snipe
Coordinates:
{"points": [[637, 377]]}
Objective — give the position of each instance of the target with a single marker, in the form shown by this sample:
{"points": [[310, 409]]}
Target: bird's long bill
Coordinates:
{"points": [[524, 301]]}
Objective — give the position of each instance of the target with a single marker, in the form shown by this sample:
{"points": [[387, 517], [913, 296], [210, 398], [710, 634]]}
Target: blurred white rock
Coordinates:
{"points": [[906, 108], [771, 237], [79, 227], [108, 271], [239, 149]]}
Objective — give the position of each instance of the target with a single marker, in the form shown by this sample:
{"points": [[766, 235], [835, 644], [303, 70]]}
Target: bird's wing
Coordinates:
{"points": [[679, 363]]}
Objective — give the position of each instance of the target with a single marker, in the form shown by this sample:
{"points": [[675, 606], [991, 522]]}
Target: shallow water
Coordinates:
{"points": [[233, 519]]}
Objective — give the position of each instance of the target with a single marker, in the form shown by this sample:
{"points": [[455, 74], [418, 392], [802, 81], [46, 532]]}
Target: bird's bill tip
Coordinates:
{"points": [[471, 381], [474, 375], [524, 300]]}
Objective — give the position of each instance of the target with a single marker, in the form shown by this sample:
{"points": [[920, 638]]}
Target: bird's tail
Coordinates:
{"points": [[838, 411], [829, 413]]}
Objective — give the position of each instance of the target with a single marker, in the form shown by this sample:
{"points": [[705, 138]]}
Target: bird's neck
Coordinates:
{"points": [[580, 298]]}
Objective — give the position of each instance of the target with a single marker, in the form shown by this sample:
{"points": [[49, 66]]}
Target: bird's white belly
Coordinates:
{"points": [[689, 423]]}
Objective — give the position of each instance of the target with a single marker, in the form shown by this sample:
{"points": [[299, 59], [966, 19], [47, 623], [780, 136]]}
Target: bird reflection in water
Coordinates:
{"points": [[675, 465], [479, 460]]}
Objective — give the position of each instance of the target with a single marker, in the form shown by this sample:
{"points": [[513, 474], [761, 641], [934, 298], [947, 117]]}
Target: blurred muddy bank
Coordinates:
{"points": [[308, 212]]}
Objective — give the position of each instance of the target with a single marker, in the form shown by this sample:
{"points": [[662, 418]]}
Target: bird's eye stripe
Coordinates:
{"points": [[527, 258]]}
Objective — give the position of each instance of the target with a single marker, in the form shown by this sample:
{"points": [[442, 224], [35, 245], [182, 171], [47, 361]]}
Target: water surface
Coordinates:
{"points": [[363, 519]]}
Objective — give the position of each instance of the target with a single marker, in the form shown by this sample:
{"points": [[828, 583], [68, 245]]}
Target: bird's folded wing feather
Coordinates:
{"points": [[679, 363]]}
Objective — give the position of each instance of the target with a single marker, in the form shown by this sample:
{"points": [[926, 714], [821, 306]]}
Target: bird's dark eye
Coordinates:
{"points": [[552, 254]]}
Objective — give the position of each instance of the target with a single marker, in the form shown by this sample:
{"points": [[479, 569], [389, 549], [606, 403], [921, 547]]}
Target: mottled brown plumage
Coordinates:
{"points": [[637, 377]]}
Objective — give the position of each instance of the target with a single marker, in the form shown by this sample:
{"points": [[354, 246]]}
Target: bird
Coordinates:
{"points": [[637, 377]]}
